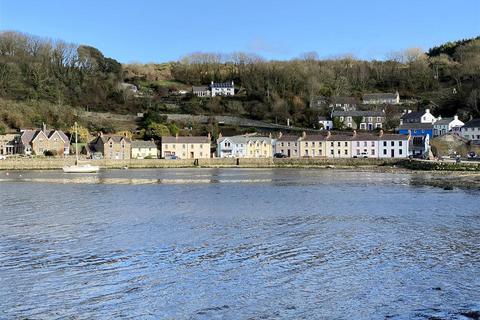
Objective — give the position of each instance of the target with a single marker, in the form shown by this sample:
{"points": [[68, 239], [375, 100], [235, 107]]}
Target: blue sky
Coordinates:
{"points": [[165, 30]]}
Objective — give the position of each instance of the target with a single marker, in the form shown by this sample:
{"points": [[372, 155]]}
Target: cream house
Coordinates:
{"points": [[188, 147], [312, 146], [338, 145], [144, 149]]}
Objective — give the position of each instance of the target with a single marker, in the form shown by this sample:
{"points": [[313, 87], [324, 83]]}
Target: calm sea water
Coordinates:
{"points": [[236, 244]]}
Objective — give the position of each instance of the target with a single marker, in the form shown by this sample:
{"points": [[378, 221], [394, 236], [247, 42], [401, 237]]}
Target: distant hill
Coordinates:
{"points": [[38, 71]]}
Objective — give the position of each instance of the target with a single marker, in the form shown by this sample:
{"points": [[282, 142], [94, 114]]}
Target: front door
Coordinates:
{"points": [[392, 152], [288, 153], [191, 155]]}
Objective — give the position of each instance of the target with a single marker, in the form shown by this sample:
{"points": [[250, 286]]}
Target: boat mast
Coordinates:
{"points": [[76, 142]]}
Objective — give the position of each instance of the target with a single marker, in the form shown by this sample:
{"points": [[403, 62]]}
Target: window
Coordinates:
{"points": [[358, 143], [191, 146], [384, 151], [341, 119], [331, 152], [338, 151], [346, 144], [306, 144], [362, 126], [373, 152], [358, 152], [338, 144], [349, 119], [369, 119], [379, 119], [288, 144], [392, 143], [384, 143], [201, 154], [173, 146], [373, 144], [399, 143], [364, 143], [313, 144], [183, 146], [400, 151], [201, 146], [346, 152], [331, 144], [349, 125]]}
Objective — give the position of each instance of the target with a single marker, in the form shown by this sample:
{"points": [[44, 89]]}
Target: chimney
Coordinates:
{"points": [[176, 135], [209, 136], [380, 133], [280, 134], [427, 110], [354, 133], [212, 83], [455, 117], [409, 111], [304, 134], [329, 134], [439, 117], [44, 127], [270, 135], [100, 134], [220, 135]]}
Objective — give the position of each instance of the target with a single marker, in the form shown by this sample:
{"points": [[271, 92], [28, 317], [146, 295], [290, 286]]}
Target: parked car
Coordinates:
{"points": [[279, 155], [2, 157], [472, 154], [172, 157]]}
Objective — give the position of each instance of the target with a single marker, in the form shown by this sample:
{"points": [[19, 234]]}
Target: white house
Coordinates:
{"points": [[417, 117], [393, 145], [381, 98], [325, 123], [222, 89], [471, 130], [231, 147], [444, 126], [365, 145]]}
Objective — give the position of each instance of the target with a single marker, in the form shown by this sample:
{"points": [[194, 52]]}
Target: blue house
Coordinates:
{"points": [[416, 129]]}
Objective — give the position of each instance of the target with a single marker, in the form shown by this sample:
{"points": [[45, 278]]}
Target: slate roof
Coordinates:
{"points": [[315, 137], [186, 139], [287, 137], [474, 123], [379, 96], [344, 100], [143, 144], [29, 135], [390, 136], [358, 114], [222, 85], [444, 121], [115, 138], [200, 88], [413, 115], [415, 126]]}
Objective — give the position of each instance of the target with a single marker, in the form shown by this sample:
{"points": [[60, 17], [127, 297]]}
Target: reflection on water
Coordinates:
{"points": [[236, 244]]}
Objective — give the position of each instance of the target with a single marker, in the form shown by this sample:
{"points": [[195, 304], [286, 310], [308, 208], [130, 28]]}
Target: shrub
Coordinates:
{"points": [[50, 153]]}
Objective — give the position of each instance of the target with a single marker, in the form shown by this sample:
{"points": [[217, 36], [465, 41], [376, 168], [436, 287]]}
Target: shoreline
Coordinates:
{"points": [[427, 173]]}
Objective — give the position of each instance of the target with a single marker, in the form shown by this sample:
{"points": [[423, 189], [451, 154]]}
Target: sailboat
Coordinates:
{"points": [[77, 167]]}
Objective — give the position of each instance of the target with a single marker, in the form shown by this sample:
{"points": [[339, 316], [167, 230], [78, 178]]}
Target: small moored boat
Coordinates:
{"points": [[77, 167]]}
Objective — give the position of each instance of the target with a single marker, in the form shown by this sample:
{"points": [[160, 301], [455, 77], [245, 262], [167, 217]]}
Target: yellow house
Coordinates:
{"points": [[338, 145], [144, 149], [313, 146], [258, 147], [189, 147]]}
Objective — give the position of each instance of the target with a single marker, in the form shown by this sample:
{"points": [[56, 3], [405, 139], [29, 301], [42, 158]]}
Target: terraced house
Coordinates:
{"points": [[313, 146], [40, 141], [288, 145], [188, 147], [338, 145], [112, 147]]}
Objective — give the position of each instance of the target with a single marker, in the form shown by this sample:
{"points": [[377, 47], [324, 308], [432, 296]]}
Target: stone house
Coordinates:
{"points": [[188, 147], [201, 91], [39, 141], [112, 147], [360, 120], [9, 144]]}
